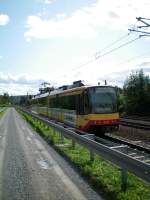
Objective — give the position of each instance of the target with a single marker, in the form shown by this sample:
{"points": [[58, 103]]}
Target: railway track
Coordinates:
{"points": [[136, 122], [135, 151], [107, 139], [138, 117], [132, 144]]}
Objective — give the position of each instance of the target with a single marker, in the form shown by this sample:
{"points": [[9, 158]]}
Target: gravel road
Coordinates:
{"points": [[31, 169]]}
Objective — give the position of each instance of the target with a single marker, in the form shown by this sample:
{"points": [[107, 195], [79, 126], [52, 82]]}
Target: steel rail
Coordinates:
{"points": [[128, 162], [121, 140], [137, 117], [141, 124]]}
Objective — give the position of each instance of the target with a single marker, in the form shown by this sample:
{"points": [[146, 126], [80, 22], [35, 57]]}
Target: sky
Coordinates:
{"points": [[61, 41]]}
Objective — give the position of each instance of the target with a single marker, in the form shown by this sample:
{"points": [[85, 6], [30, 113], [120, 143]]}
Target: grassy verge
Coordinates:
{"points": [[2, 113], [102, 174]]}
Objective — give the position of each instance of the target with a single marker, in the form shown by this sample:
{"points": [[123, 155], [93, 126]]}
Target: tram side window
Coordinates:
{"points": [[39, 101], [64, 102], [48, 102], [56, 102], [71, 102], [68, 102], [78, 104], [42, 101], [34, 102], [51, 102], [81, 104], [86, 103]]}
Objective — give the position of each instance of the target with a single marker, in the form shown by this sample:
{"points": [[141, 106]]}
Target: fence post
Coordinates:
{"points": [[123, 180], [61, 138], [73, 144], [53, 131], [91, 156]]}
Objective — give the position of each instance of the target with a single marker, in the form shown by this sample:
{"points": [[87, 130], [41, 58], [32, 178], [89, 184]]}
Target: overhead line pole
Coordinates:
{"points": [[133, 30], [146, 25], [141, 19]]}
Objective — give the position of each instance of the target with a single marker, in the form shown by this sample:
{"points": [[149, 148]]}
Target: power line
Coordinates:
{"points": [[125, 44], [133, 58], [113, 43], [145, 32], [139, 18], [108, 52], [96, 55]]}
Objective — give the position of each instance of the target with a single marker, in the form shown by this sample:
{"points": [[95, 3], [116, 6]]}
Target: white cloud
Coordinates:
{"points": [[23, 83], [46, 1], [87, 21], [96, 72], [4, 19], [118, 76], [20, 84], [67, 27]]}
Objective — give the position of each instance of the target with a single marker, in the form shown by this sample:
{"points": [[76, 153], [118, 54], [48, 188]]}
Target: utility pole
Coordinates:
{"points": [[45, 87], [139, 29], [45, 83]]}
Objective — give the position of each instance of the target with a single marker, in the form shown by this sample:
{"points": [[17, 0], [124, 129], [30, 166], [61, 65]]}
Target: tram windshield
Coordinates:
{"points": [[103, 99]]}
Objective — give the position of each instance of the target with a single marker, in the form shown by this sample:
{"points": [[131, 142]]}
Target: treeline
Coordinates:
{"points": [[134, 98], [4, 100]]}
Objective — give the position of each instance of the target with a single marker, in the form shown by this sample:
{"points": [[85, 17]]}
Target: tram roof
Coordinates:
{"points": [[71, 91]]}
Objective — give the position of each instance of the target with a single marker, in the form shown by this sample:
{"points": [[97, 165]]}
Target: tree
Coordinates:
{"points": [[120, 99], [4, 99], [137, 93]]}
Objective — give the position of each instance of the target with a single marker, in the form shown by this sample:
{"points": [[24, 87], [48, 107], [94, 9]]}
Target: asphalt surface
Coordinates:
{"points": [[31, 169]]}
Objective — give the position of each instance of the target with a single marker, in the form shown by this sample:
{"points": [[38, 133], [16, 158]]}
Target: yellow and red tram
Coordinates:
{"points": [[88, 108]]}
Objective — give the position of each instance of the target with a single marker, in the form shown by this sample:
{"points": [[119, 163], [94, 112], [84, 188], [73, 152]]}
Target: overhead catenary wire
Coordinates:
{"points": [[109, 52], [106, 53], [98, 55], [95, 54], [133, 58], [139, 18], [122, 45], [137, 31], [113, 43]]}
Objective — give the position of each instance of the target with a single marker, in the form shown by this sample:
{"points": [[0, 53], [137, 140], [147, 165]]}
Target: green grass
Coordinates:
{"points": [[102, 174], [2, 113]]}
